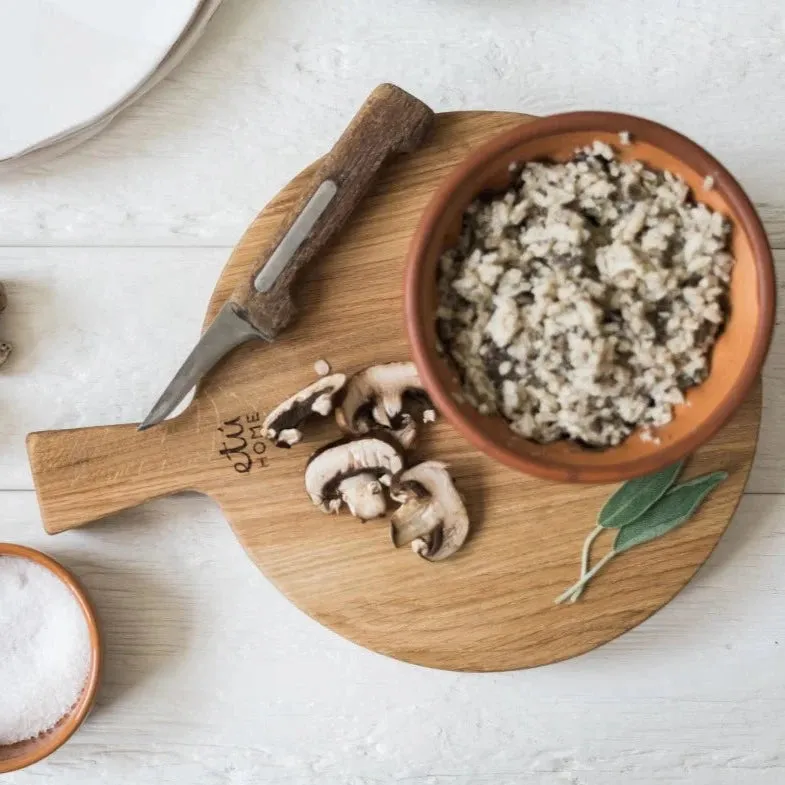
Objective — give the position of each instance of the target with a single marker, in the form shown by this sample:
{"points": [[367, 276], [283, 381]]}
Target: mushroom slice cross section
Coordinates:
{"points": [[432, 516], [390, 395], [353, 472], [282, 424]]}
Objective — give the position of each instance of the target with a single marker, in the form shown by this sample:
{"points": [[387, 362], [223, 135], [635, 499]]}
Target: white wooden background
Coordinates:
{"points": [[110, 254]]}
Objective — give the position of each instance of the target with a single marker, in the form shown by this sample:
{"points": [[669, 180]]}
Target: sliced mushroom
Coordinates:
{"points": [[432, 516], [390, 396], [353, 472], [282, 424]]}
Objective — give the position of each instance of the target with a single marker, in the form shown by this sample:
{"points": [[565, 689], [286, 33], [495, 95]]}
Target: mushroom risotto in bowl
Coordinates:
{"points": [[589, 297]]}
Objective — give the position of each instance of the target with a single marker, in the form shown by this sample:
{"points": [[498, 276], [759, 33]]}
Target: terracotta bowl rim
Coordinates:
{"points": [[743, 215], [45, 745]]}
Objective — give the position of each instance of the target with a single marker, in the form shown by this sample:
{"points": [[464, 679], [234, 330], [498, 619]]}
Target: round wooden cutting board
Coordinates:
{"points": [[491, 607]]}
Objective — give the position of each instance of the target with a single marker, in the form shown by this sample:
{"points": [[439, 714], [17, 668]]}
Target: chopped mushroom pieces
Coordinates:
{"points": [[282, 424], [586, 300], [390, 396], [353, 472], [432, 516]]}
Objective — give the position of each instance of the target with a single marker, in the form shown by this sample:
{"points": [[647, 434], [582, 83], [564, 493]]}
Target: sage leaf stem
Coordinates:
{"points": [[585, 579], [585, 558]]}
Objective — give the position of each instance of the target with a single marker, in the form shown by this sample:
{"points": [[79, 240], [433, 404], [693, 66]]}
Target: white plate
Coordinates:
{"points": [[64, 63]]}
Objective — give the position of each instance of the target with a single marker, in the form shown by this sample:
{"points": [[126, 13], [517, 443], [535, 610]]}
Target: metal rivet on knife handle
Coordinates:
{"points": [[389, 122], [295, 237]]}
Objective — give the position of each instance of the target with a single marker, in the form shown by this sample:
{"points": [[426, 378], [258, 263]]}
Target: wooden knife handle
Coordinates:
{"points": [[389, 122]]}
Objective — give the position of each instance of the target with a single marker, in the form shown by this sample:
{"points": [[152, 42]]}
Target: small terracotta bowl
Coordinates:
{"points": [[737, 356], [25, 753]]}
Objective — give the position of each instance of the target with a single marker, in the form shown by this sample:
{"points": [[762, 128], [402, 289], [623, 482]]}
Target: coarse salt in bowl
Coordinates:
{"points": [[50, 656], [737, 356]]}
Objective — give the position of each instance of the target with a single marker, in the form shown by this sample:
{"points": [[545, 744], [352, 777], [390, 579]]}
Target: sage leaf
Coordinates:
{"points": [[635, 497], [674, 508]]}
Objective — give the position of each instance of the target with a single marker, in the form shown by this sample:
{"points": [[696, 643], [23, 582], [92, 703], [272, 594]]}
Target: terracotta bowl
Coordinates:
{"points": [[738, 354], [25, 753]]}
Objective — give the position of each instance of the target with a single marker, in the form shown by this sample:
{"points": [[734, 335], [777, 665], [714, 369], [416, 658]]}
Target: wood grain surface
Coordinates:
{"points": [[213, 677], [491, 608]]}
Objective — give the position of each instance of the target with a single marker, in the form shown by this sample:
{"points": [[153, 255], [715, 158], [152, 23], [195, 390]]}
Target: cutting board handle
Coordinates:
{"points": [[83, 474]]}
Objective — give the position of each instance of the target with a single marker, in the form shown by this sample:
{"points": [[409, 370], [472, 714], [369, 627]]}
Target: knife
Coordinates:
{"points": [[389, 122]]}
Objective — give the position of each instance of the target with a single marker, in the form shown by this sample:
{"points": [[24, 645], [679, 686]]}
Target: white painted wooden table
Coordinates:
{"points": [[110, 254]]}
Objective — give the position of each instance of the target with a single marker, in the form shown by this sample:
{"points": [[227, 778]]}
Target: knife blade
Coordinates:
{"points": [[228, 330], [231, 327], [389, 122]]}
